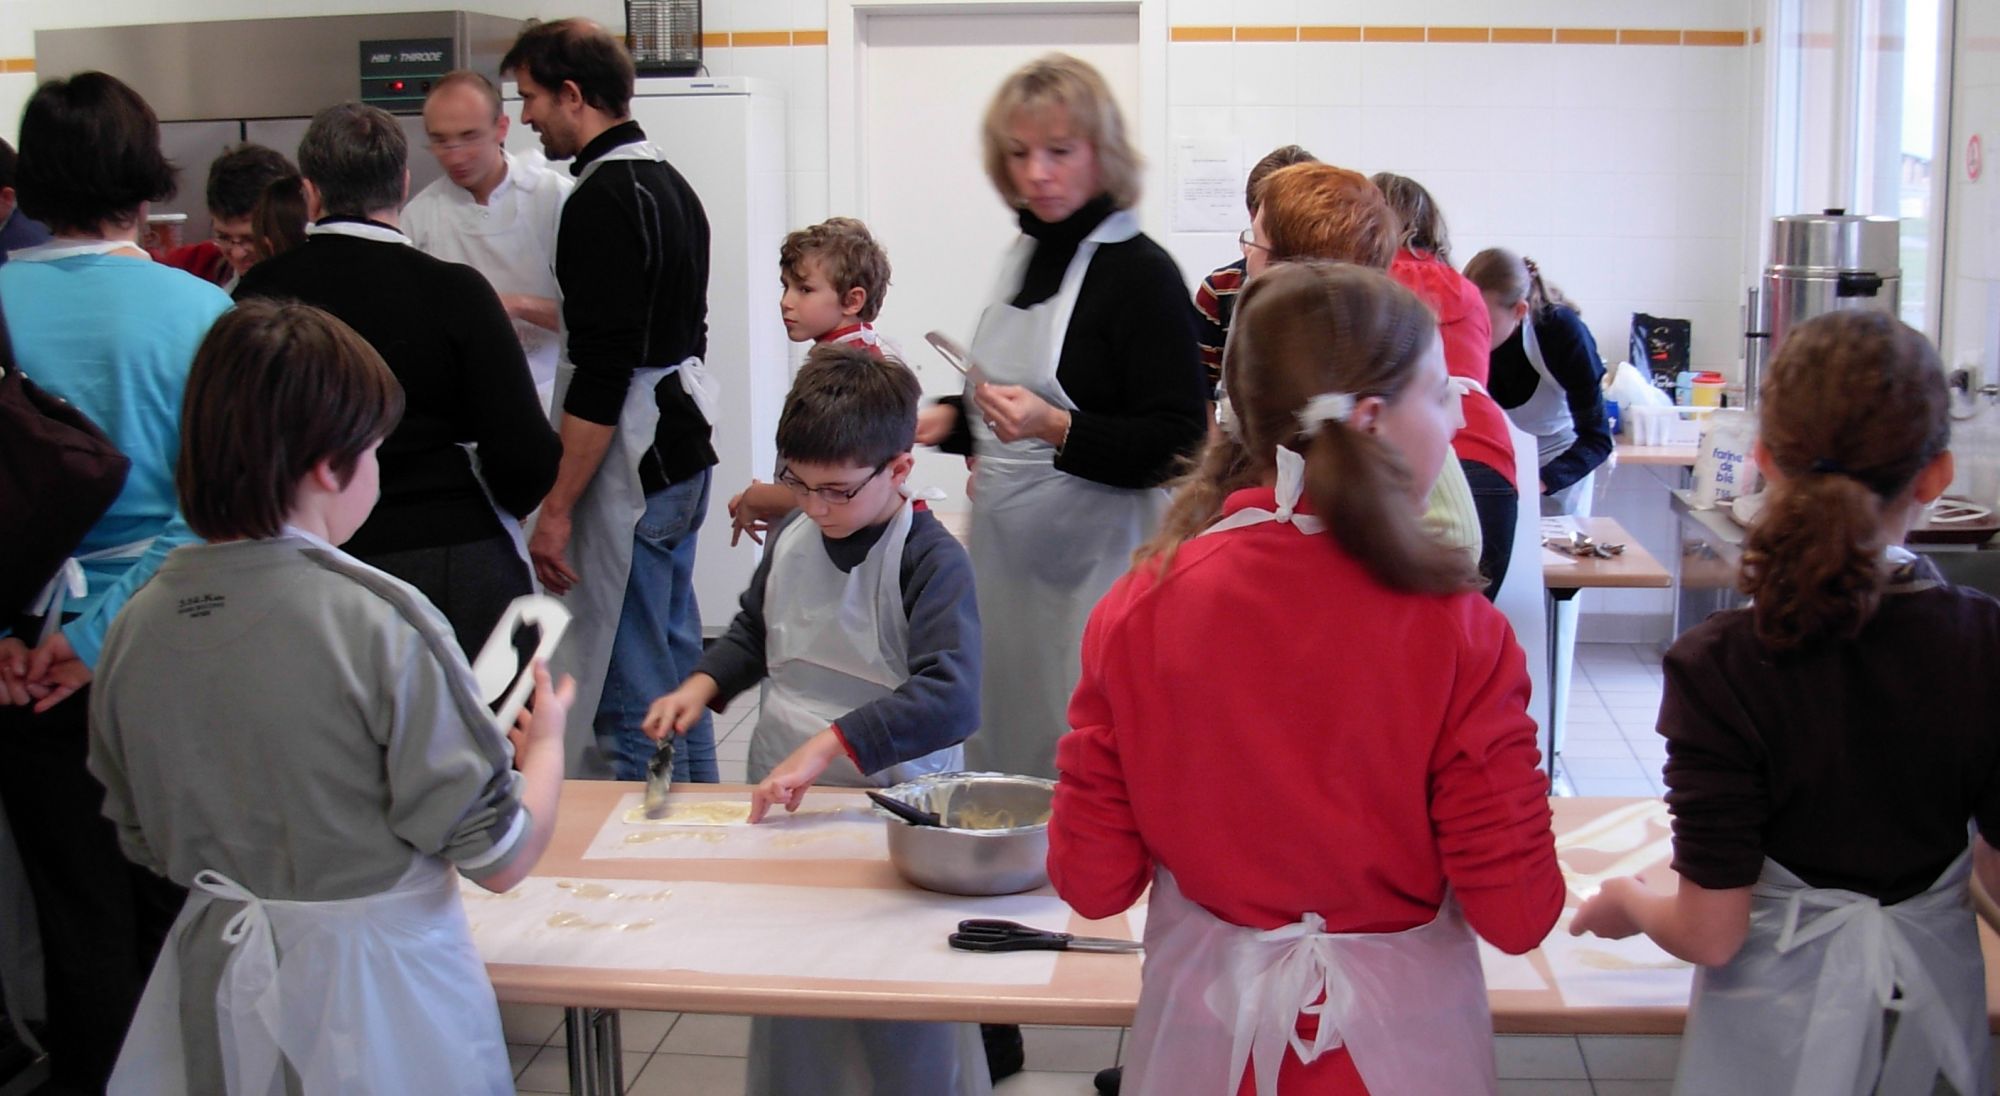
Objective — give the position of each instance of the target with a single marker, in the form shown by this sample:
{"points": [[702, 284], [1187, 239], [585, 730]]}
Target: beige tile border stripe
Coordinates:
{"points": [[1568, 36], [750, 39]]}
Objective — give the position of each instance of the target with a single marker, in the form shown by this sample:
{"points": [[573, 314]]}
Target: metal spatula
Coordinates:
{"points": [[659, 774]]}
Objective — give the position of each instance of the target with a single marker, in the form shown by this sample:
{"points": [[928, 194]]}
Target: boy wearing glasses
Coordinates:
{"points": [[860, 622], [236, 180], [862, 627]]}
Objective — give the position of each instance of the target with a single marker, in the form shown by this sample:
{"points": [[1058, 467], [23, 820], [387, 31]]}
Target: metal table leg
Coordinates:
{"points": [[595, 1065], [1557, 595]]}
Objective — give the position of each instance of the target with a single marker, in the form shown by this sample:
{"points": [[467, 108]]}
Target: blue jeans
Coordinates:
{"points": [[659, 637]]}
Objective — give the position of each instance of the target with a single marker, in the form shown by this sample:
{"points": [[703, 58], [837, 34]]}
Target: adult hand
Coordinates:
{"points": [[678, 710], [14, 672], [753, 509], [548, 547], [54, 666], [1608, 913], [788, 782], [541, 723], [935, 423], [1015, 413]]}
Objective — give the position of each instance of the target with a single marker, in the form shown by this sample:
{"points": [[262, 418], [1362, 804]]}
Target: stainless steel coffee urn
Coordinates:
{"points": [[1820, 262]]}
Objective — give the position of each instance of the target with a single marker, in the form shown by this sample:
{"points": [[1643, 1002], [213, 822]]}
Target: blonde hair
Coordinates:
{"points": [[1301, 330], [1059, 82]]}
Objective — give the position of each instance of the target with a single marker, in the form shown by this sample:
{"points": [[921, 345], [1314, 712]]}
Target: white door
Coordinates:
{"points": [[926, 80]]}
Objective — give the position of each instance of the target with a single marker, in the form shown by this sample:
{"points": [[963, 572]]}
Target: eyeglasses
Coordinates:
{"points": [[1248, 239], [832, 496], [235, 243]]}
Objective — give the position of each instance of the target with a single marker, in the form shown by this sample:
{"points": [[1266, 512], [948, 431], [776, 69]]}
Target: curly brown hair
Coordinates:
{"points": [[851, 257], [1854, 407]]}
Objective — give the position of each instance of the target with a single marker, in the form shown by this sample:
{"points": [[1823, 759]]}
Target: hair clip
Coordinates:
{"points": [[1322, 409], [1823, 466]]}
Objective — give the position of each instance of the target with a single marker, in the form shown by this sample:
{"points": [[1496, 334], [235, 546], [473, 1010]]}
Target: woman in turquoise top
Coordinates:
{"points": [[96, 322]]}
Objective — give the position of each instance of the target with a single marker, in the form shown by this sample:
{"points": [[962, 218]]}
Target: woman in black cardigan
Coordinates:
{"points": [[1088, 397]]}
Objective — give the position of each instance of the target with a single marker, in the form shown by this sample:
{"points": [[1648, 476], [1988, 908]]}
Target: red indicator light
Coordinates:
{"points": [[395, 85]]}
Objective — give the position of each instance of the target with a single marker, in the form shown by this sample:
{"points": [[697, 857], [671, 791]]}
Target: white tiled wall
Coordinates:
{"points": [[1621, 169]]}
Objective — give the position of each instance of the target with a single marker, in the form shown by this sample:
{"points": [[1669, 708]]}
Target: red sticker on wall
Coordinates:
{"points": [[1975, 158]]}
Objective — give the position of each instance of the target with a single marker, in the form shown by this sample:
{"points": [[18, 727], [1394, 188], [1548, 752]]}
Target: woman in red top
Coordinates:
{"points": [[1485, 447], [1369, 782]]}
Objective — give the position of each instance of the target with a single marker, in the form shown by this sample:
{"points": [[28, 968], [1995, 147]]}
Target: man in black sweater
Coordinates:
{"points": [[617, 533], [445, 336]]}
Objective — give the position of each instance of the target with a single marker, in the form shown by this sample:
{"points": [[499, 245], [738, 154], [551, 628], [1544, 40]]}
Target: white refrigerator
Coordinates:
{"points": [[726, 135]]}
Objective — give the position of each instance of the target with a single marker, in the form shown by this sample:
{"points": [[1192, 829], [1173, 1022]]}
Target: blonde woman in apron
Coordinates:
{"points": [[1368, 805], [1089, 392], [1826, 748]]}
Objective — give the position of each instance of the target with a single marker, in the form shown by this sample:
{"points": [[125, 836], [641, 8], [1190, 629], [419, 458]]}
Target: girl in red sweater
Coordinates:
{"points": [[1303, 727]]}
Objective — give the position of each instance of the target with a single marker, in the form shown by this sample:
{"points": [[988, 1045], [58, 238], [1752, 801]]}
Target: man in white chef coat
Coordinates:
{"points": [[494, 211]]}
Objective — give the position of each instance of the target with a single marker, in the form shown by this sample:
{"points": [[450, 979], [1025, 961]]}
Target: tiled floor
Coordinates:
{"points": [[1610, 750]]}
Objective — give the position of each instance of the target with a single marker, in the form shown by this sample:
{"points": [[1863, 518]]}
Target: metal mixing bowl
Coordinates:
{"points": [[958, 860]]}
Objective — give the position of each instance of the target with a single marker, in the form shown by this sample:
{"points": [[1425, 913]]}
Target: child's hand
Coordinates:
{"points": [[678, 710], [541, 722], [1608, 913], [753, 509], [788, 782]]}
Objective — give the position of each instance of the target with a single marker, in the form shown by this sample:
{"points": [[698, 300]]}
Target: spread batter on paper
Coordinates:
{"points": [[1604, 960], [647, 837], [694, 814], [564, 919], [599, 890]]}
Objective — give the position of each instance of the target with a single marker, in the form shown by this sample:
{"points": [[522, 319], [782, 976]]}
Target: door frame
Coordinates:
{"points": [[846, 74]]}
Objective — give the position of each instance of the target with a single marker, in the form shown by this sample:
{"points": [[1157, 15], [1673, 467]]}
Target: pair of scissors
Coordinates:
{"points": [[985, 935]]}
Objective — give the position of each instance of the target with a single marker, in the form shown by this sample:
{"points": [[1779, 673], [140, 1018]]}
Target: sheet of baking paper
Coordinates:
{"points": [[1592, 972], [1623, 841], [716, 826], [1509, 972], [743, 929]]}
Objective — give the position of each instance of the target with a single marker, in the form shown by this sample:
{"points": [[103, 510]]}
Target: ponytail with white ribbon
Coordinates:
{"points": [[1322, 409]]}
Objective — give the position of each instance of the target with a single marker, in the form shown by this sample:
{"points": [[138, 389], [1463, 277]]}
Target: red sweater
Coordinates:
{"points": [[1285, 734], [1467, 332]]}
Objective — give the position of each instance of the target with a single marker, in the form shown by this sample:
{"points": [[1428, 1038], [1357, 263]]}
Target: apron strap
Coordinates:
{"points": [[70, 581], [247, 1001], [1869, 956], [1304, 979]]}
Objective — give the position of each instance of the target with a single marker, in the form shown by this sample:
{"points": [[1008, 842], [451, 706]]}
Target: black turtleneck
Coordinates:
{"points": [[632, 260], [1129, 360]]}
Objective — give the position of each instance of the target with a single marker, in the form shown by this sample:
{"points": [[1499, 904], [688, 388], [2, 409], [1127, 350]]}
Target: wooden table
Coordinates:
{"points": [[1092, 990], [1634, 569]]}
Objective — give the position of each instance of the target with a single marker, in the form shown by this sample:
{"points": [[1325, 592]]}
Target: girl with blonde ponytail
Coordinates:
{"points": [[1826, 749], [1357, 712]]}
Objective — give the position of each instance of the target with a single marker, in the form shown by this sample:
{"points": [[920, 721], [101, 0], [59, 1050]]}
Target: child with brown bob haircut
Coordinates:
{"points": [[296, 738]]}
